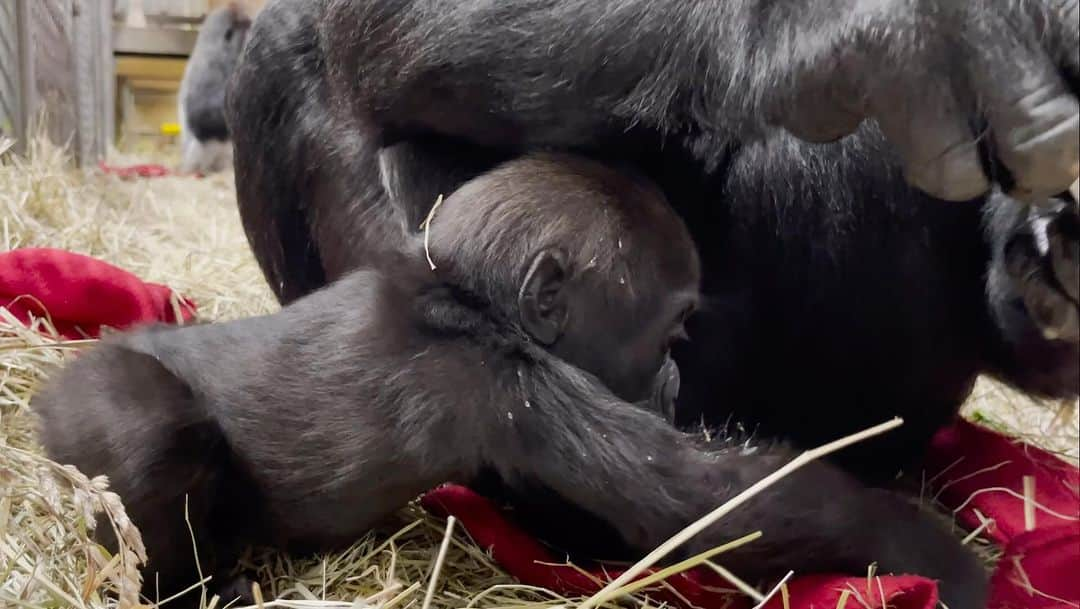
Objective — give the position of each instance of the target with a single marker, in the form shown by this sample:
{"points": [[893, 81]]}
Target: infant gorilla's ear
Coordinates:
{"points": [[542, 300]]}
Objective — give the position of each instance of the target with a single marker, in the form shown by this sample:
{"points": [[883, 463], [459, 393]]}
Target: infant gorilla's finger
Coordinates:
{"points": [[1054, 314], [938, 148], [1034, 119]]}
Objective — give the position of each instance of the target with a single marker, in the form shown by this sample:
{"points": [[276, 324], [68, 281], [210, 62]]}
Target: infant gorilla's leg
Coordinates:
{"points": [[119, 412]]}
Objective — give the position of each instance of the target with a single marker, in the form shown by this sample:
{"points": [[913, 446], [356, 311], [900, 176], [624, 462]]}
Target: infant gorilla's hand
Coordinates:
{"points": [[925, 69]]}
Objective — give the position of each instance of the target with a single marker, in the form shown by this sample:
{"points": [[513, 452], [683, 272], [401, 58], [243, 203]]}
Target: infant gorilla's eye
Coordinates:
{"points": [[228, 34]]}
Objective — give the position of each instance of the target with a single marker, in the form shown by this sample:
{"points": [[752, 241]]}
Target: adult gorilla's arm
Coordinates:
{"points": [[325, 84], [569, 73]]}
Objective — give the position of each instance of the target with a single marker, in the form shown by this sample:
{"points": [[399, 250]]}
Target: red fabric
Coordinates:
{"points": [[965, 460], [81, 294], [1040, 569], [135, 171], [532, 563]]}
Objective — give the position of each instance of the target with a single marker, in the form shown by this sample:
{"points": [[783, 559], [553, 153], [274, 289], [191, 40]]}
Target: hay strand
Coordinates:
{"points": [[734, 580], [427, 231], [439, 560], [781, 586], [1029, 503]]}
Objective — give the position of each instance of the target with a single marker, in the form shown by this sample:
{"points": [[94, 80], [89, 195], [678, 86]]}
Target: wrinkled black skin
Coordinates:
{"points": [[838, 295], [303, 429]]}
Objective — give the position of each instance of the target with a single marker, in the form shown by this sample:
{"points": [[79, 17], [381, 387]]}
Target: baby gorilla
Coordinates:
{"points": [[303, 428], [559, 286]]}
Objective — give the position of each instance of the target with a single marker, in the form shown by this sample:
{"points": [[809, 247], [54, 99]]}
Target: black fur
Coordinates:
{"points": [[837, 294]]}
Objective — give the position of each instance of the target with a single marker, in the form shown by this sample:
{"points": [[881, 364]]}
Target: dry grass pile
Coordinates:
{"points": [[185, 233], [1054, 427]]}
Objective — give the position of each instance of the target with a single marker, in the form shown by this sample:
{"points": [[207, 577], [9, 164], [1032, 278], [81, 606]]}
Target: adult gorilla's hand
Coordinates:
{"points": [[927, 70], [948, 80]]}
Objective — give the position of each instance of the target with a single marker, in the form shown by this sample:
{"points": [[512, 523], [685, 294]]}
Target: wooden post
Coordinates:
{"points": [[56, 66], [45, 30], [93, 79]]}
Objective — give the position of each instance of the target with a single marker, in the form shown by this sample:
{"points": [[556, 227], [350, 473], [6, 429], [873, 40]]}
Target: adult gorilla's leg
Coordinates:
{"points": [[320, 192], [307, 176], [836, 296]]}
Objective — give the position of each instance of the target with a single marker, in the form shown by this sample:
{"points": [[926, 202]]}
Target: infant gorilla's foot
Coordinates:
{"points": [[1042, 260]]}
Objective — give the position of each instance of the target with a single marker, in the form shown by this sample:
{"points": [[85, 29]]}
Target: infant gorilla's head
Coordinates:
{"points": [[589, 261]]}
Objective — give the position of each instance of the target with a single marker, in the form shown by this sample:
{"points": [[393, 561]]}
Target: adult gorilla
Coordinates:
{"points": [[842, 288]]}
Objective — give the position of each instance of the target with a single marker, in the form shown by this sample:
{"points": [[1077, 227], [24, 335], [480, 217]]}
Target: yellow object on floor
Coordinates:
{"points": [[147, 89]]}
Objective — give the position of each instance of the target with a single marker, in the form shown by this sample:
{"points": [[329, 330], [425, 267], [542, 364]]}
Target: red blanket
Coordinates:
{"points": [[974, 471], [127, 172], [981, 473], [80, 294]]}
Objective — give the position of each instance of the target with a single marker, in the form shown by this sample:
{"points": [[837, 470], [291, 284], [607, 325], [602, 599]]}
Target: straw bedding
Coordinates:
{"points": [[185, 233]]}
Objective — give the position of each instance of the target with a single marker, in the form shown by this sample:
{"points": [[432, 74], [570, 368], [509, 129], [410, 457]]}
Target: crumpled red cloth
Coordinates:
{"points": [[128, 172], [1040, 570], [977, 471], [81, 294]]}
